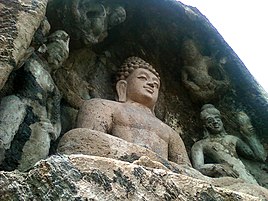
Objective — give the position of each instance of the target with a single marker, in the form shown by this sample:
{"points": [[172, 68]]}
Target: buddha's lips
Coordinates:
{"points": [[149, 89]]}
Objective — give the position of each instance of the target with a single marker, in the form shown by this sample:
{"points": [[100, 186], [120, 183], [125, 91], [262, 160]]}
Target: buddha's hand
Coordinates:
{"points": [[223, 170]]}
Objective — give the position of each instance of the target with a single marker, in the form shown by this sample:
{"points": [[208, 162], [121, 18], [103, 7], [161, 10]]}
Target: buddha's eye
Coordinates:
{"points": [[156, 85], [142, 77]]}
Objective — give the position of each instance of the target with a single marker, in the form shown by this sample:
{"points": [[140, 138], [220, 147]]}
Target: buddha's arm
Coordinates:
{"points": [[95, 114], [176, 150], [211, 169]]}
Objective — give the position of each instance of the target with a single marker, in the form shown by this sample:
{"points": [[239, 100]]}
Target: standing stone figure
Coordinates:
{"points": [[195, 74], [249, 135], [132, 118], [218, 153], [30, 119], [37, 118]]}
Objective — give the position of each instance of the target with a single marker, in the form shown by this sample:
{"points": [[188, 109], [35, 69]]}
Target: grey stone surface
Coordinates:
{"points": [[20, 20], [153, 30], [81, 177]]}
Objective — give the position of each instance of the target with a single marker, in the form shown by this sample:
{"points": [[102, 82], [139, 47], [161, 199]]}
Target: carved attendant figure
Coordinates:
{"points": [[195, 74], [132, 118], [30, 120], [217, 154]]}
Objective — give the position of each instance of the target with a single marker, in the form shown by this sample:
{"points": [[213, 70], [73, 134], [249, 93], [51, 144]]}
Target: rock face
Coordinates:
{"points": [[72, 178], [19, 21], [102, 35]]}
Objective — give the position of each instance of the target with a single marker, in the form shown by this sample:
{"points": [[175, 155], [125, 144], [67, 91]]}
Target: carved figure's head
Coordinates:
{"points": [[116, 16], [211, 118], [92, 19], [138, 81], [57, 49], [189, 50], [245, 124]]}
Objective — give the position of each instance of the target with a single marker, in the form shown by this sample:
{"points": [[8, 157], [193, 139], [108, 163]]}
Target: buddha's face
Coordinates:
{"points": [[213, 123], [142, 87]]}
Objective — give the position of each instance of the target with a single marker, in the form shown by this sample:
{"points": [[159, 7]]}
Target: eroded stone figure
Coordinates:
{"points": [[195, 74], [31, 118], [88, 20], [218, 153], [131, 118], [93, 19], [249, 135]]}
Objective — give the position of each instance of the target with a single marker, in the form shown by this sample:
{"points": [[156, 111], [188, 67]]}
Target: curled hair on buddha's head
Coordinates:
{"points": [[208, 109], [131, 64]]}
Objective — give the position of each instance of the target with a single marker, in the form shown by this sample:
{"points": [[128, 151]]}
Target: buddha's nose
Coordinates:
{"points": [[150, 83]]}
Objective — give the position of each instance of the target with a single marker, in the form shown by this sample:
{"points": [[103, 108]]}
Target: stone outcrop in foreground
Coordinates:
{"points": [[81, 177]]}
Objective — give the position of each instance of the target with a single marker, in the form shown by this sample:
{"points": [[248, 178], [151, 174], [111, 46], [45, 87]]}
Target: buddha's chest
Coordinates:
{"points": [[133, 125]]}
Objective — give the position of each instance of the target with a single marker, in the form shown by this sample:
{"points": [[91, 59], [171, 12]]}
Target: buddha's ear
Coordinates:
{"points": [[121, 89]]}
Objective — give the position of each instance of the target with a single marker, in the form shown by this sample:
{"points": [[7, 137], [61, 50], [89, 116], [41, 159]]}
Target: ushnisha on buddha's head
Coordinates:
{"points": [[138, 81]]}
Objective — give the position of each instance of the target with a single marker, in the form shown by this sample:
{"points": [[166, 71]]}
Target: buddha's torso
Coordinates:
{"points": [[138, 125]]}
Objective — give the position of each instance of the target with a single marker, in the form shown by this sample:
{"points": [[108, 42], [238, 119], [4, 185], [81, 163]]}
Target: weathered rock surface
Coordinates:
{"points": [[80, 177], [19, 21], [153, 30]]}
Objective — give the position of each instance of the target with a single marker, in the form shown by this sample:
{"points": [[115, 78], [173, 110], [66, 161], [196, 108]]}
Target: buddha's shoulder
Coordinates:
{"points": [[98, 102]]}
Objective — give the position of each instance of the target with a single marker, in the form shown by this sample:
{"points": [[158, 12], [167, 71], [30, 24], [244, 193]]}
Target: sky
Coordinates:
{"points": [[244, 26]]}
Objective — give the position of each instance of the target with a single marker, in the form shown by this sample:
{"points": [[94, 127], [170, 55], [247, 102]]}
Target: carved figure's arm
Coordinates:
{"points": [[213, 170], [96, 114], [197, 155], [246, 151], [187, 82], [257, 148], [12, 114], [176, 150], [53, 112]]}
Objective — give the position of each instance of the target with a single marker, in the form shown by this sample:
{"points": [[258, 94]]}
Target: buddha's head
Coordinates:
{"points": [[138, 81], [211, 118]]}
